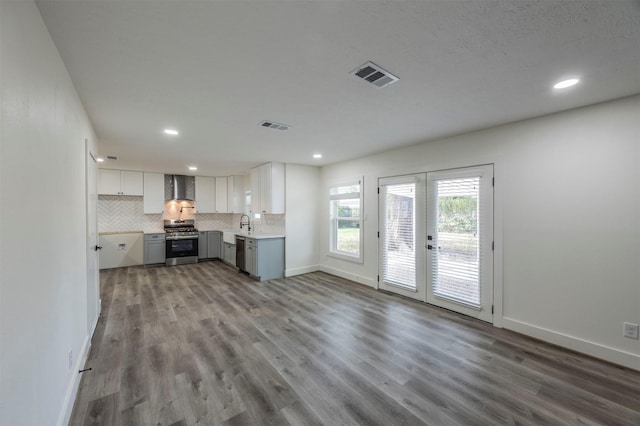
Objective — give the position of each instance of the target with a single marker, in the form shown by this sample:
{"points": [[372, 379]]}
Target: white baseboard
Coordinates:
{"points": [[349, 276], [74, 384], [300, 271], [596, 350]]}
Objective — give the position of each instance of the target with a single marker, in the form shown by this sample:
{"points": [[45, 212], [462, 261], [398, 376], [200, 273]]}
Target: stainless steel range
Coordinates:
{"points": [[181, 242]]}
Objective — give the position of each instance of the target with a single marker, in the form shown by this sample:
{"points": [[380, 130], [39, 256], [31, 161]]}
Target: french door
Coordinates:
{"points": [[93, 270], [460, 240], [401, 239], [436, 238]]}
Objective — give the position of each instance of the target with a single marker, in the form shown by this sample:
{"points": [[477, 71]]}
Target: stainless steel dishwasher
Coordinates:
{"points": [[241, 261]]}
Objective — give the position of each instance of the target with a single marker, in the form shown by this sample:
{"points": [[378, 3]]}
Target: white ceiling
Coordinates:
{"points": [[215, 69]]}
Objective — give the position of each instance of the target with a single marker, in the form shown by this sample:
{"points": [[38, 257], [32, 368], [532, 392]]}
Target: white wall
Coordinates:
{"points": [[569, 186], [43, 295], [302, 215]]}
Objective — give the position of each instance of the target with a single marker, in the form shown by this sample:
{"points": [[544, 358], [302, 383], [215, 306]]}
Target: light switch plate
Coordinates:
{"points": [[630, 330]]}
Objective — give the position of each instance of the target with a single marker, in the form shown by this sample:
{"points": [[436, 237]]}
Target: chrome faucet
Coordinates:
{"points": [[248, 222]]}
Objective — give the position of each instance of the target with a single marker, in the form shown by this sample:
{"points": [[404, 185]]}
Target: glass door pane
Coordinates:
{"points": [[401, 239], [457, 247], [459, 240], [398, 236]]}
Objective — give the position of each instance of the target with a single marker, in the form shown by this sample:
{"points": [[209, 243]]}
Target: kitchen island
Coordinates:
{"points": [[261, 255]]}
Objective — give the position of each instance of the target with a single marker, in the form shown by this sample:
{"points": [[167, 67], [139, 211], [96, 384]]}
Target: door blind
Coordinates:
{"points": [[398, 235], [456, 241]]}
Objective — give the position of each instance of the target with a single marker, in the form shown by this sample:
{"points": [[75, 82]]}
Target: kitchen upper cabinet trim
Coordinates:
{"points": [[119, 182]]}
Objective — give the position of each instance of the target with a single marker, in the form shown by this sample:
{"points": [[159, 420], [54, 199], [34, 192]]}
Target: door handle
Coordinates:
{"points": [[96, 248]]}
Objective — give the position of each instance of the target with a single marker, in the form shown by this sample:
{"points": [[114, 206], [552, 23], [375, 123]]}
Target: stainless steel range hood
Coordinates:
{"points": [[179, 187]]}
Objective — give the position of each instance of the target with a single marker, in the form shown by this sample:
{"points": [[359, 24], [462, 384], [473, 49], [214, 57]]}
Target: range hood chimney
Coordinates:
{"points": [[179, 187]]}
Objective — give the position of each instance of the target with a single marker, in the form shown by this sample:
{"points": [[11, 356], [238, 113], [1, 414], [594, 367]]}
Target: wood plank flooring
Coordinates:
{"points": [[202, 344]]}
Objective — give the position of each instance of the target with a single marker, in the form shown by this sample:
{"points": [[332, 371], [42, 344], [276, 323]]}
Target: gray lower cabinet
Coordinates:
{"points": [[154, 248], [265, 257], [251, 249], [229, 253], [209, 245], [203, 246], [214, 244]]}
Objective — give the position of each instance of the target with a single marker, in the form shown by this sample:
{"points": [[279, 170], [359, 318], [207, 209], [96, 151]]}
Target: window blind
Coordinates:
{"points": [[398, 235], [456, 245]]}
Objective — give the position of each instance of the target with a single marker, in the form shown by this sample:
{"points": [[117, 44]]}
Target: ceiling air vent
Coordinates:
{"points": [[375, 75], [273, 125]]}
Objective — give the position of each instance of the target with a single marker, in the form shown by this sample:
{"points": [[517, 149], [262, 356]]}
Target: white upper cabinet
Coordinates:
{"points": [[221, 195], [256, 190], [132, 183], [109, 182], [153, 193], [205, 194], [267, 188], [235, 194], [119, 182]]}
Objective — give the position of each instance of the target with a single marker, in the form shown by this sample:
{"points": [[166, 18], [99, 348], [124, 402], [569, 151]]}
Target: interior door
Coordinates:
{"points": [[460, 240], [401, 240], [93, 280]]}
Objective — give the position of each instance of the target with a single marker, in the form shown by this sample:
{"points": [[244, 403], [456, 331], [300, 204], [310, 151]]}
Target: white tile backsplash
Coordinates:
{"points": [[268, 224], [215, 221], [120, 213], [125, 213], [152, 223]]}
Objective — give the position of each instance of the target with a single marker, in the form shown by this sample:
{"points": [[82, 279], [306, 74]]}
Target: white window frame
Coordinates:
{"points": [[333, 220]]}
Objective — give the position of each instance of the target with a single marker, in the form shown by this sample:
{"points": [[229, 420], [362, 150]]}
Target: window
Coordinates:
{"points": [[345, 204]]}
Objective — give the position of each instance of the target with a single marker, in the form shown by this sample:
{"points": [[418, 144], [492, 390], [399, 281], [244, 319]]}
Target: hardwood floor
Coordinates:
{"points": [[202, 344]]}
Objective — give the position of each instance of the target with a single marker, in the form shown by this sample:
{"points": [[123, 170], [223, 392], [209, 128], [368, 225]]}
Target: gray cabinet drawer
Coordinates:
{"points": [[154, 237]]}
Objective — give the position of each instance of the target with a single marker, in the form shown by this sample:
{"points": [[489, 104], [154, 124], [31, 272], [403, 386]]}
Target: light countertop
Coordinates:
{"points": [[119, 232], [229, 235], [259, 236]]}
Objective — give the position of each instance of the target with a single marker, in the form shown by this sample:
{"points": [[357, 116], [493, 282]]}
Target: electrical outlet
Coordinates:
{"points": [[70, 358], [630, 330]]}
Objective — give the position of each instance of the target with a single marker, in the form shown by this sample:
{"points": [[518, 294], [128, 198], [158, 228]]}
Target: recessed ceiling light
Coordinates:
{"points": [[566, 83], [193, 168], [100, 160], [172, 132], [317, 155]]}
